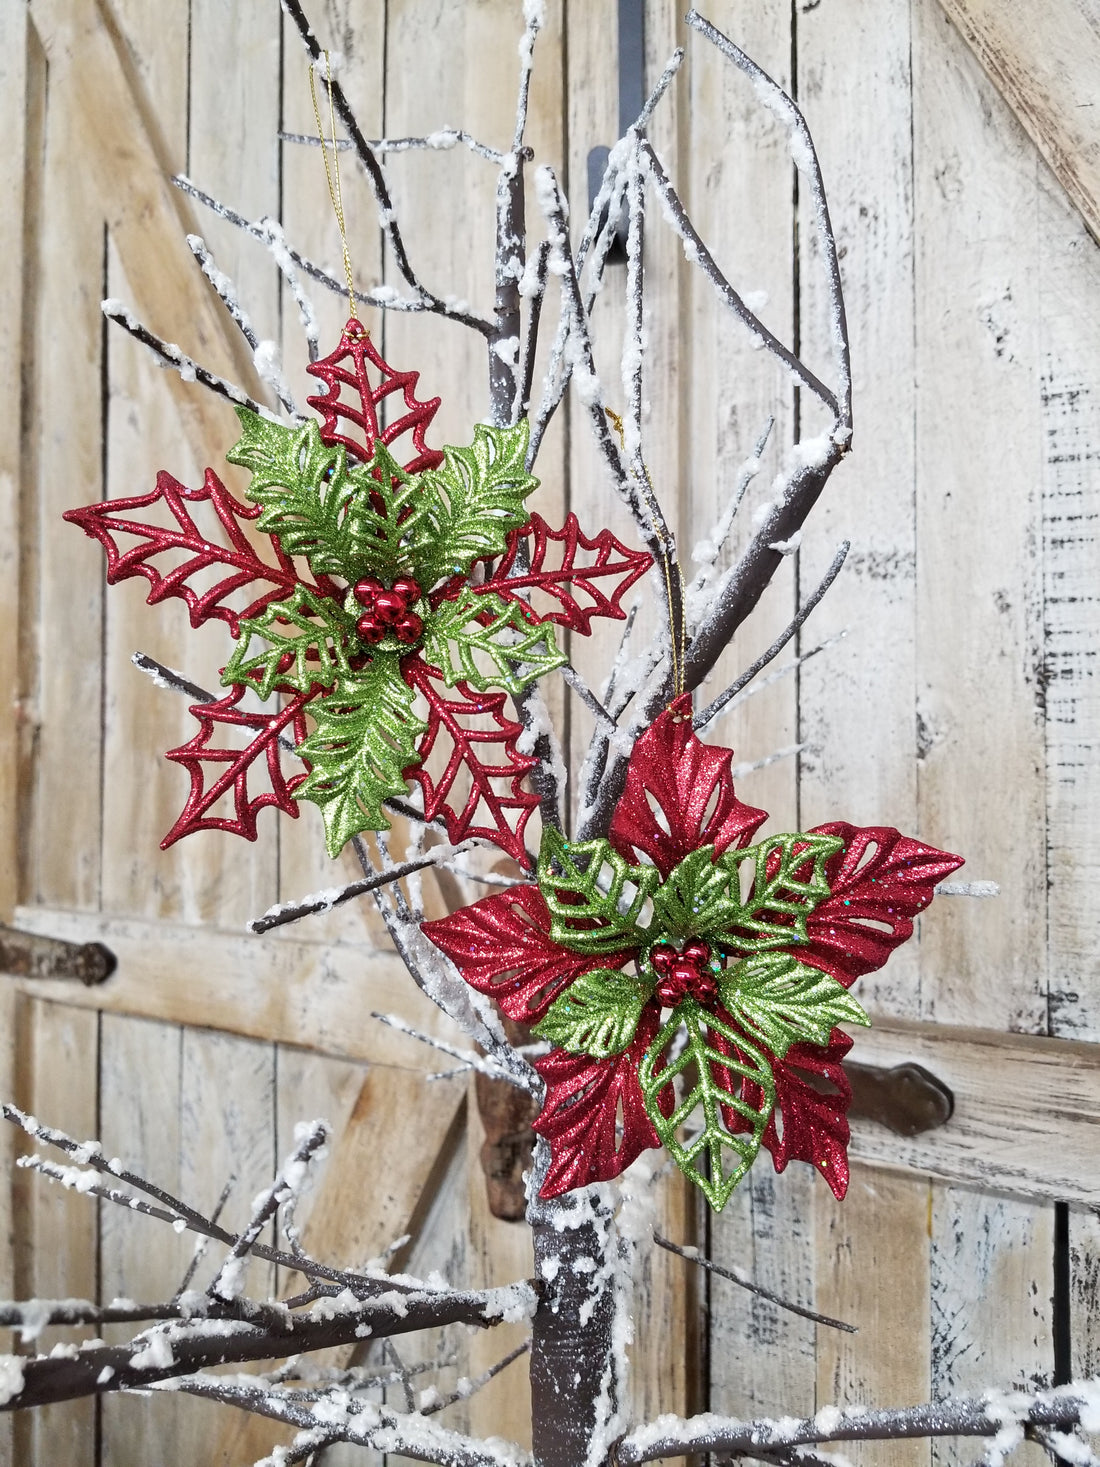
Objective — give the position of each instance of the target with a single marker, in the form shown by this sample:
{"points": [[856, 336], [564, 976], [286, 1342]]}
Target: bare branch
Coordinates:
{"points": [[229, 1280], [713, 709], [805, 159], [533, 286], [377, 179], [673, 1436], [696, 251], [468, 1388], [170, 354], [784, 671], [604, 721], [220, 1335], [366, 1423], [324, 901], [441, 140], [694, 1256], [706, 553], [470, 1061], [265, 361]]}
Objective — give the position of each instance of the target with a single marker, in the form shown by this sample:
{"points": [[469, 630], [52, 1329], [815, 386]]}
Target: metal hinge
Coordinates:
{"points": [[26, 955]]}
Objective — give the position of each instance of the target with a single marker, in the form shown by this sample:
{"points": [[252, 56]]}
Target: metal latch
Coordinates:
{"points": [[27, 955]]}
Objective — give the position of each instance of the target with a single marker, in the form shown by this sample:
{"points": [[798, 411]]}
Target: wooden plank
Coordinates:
{"points": [[303, 993], [209, 877], [1069, 347], [1043, 56], [16, 100], [57, 1242], [992, 1281], [140, 1258], [497, 1253], [378, 1184], [873, 1272], [1084, 1282], [65, 590], [982, 780]]}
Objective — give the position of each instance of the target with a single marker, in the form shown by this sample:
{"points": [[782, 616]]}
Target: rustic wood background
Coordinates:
{"points": [[962, 704]]}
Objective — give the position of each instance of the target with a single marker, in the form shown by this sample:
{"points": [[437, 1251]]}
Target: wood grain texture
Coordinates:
{"points": [[1043, 56], [1069, 345], [737, 169], [873, 1272], [385, 1164], [56, 1079], [991, 1302], [293, 992], [1013, 1093]]}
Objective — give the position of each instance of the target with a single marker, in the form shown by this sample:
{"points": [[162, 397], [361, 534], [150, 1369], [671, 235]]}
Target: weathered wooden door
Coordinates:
{"points": [[960, 704]]}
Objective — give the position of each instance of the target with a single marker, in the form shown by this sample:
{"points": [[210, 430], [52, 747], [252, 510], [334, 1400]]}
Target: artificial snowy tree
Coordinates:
{"points": [[666, 981]]}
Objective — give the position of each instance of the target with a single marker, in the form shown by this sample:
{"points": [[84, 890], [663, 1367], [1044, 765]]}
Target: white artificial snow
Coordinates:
{"points": [[444, 138], [11, 1377], [507, 350], [968, 888], [156, 1355], [106, 1374], [787, 547]]}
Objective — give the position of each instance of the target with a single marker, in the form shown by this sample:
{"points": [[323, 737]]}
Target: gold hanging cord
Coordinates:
{"points": [[332, 174]]}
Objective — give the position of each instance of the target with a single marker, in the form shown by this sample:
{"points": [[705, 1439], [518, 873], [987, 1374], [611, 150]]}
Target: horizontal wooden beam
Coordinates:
{"points": [[1044, 58], [1026, 1117], [314, 994], [1027, 1109]]}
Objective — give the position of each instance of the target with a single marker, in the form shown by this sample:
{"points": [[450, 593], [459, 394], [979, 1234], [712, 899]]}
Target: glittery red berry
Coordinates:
{"points": [[389, 607], [407, 629], [407, 587], [683, 973], [366, 590], [370, 628]]}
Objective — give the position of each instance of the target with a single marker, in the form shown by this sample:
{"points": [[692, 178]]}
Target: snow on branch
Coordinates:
{"points": [[1000, 1416]]}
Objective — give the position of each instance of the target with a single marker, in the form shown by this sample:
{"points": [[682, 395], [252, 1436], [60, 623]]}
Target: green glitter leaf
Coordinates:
{"points": [[519, 649], [472, 501], [347, 522], [598, 1013], [787, 1002], [786, 881], [595, 897], [700, 895], [364, 739], [716, 1157], [315, 631]]}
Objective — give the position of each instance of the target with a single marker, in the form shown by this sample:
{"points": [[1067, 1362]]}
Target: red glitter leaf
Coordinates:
{"points": [[502, 947], [879, 882], [449, 717], [579, 1115], [691, 783], [350, 397], [611, 559], [198, 753], [814, 1118], [108, 519]]}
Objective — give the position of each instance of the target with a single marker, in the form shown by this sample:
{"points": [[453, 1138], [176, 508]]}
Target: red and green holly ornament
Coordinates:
{"points": [[692, 982], [411, 625]]}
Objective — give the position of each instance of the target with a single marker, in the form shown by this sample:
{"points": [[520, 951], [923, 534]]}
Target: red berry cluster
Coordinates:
{"points": [[386, 612], [683, 972]]}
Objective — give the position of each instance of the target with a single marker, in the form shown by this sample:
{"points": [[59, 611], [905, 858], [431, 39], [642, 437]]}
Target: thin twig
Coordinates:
{"points": [[440, 141], [203, 1243], [696, 251], [714, 708], [468, 1388], [226, 292], [604, 721], [228, 1281], [805, 158], [179, 361], [694, 1256], [377, 180], [482, 1063]]}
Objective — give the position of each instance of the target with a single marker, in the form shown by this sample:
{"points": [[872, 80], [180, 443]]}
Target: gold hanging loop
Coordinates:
{"points": [[332, 174]]}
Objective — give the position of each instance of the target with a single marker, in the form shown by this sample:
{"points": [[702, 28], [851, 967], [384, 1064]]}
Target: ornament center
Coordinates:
{"points": [[683, 973], [387, 611]]}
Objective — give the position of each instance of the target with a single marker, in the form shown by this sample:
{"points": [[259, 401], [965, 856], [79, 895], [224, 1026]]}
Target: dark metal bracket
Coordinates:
{"points": [[26, 955], [631, 99], [907, 1099]]}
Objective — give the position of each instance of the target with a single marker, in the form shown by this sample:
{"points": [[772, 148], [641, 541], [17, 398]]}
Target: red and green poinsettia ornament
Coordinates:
{"points": [[692, 983], [419, 582]]}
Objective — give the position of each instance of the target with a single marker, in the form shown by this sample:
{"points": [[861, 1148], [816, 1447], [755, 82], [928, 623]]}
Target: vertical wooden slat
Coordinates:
{"points": [[65, 813], [739, 194], [981, 784], [57, 1259], [141, 1258], [872, 1253]]}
